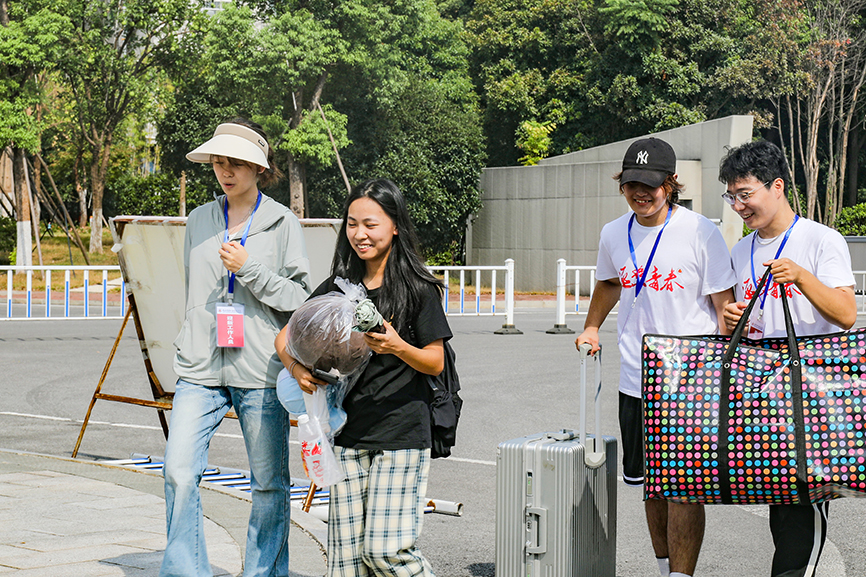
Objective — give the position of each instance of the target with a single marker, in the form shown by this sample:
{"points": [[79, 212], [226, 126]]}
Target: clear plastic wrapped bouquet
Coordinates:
{"points": [[326, 335]]}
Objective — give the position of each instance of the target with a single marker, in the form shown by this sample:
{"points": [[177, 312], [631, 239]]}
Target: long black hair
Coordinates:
{"points": [[406, 278]]}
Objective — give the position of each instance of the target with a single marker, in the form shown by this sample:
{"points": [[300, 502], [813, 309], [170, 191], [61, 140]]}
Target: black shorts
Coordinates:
{"points": [[631, 429]]}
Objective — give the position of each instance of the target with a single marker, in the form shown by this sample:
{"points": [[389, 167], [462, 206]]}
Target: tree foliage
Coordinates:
{"points": [[393, 84], [110, 58], [28, 51], [424, 92], [852, 220], [534, 139]]}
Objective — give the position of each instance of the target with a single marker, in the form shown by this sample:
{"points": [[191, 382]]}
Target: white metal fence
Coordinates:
{"points": [[480, 304], [564, 306], [562, 284], [44, 302]]}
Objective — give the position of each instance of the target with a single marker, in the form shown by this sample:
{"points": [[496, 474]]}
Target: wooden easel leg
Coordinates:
{"points": [[102, 380], [163, 422], [308, 500]]}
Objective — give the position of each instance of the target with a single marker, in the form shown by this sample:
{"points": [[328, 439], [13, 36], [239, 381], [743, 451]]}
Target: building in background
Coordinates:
{"points": [[556, 209]]}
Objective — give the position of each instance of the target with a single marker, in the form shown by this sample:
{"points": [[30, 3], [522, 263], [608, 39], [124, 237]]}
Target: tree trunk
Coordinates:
{"points": [[81, 191], [182, 208], [7, 186], [69, 225], [296, 187], [854, 143], [98, 172], [847, 138], [35, 211], [24, 247]]}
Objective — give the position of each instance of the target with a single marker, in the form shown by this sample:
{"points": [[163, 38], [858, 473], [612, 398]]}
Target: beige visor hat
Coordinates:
{"points": [[234, 141]]}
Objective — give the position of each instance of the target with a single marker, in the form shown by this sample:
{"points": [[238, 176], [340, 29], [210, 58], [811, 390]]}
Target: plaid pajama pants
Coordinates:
{"points": [[375, 514]]}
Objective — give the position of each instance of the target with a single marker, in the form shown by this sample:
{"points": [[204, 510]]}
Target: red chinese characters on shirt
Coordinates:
{"points": [[655, 279], [773, 291]]}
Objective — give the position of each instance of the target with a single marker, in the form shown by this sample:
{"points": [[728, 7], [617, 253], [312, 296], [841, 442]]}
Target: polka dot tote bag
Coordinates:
{"points": [[776, 421]]}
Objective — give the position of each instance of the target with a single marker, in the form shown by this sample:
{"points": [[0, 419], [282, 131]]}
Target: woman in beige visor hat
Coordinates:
{"points": [[246, 270]]}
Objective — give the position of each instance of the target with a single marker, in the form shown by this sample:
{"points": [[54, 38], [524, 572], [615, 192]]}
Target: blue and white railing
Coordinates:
{"points": [[480, 305], [562, 285], [563, 307], [26, 306]]}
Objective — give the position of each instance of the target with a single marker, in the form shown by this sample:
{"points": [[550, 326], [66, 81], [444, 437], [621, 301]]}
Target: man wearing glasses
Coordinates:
{"points": [[811, 263]]}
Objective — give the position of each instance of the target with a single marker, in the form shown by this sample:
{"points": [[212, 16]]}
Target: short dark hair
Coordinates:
{"points": [[761, 159], [672, 187], [271, 175]]}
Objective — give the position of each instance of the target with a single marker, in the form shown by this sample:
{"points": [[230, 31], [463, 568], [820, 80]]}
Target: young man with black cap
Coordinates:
{"points": [[812, 262], [670, 270]]}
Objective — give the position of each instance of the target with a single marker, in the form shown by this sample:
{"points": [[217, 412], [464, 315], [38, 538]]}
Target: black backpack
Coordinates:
{"points": [[445, 406]]}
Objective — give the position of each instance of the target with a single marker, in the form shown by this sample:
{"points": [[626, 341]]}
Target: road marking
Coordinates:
{"points": [[92, 422], [472, 461]]}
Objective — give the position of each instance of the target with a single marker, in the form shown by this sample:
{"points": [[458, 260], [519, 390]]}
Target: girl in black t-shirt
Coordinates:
{"points": [[384, 449]]}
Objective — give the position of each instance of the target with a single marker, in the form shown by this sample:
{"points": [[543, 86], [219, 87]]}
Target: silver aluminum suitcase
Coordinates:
{"points": [[556, 500]]}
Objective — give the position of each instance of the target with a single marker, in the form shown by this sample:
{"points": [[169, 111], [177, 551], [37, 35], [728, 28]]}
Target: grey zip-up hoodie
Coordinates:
{"points": [[272, 282]]}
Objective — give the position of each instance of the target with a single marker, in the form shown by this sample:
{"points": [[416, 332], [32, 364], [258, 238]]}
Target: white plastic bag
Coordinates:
{"points": [[296, 401], [317, 406], [320, 463]]}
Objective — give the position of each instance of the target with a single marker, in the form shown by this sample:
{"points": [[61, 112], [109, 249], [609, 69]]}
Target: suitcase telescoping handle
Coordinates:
{"points": [[593, 455]]}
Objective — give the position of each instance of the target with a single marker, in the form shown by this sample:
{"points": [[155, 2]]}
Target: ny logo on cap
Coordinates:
{"points": [[642, 157]]}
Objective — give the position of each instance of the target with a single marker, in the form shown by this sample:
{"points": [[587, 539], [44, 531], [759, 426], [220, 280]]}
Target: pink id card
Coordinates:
{"points": [[230, 325]]}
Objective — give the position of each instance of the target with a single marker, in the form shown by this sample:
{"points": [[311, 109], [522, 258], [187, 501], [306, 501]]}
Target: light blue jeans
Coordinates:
{"points": [[196, 413]]}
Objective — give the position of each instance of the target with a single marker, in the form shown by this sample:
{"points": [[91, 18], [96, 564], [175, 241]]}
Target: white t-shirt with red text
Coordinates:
{"points": [[819, 249], [691, 263]]}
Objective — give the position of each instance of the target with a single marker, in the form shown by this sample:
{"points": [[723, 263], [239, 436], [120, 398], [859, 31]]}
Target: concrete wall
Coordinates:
{"points": [[857, 248], [539, 214]]}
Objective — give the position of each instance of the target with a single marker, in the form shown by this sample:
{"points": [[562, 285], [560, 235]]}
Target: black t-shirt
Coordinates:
{"points": [[389, 406]]}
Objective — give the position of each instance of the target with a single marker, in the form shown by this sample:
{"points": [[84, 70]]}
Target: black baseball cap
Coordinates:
{"points": [[649, 161]]}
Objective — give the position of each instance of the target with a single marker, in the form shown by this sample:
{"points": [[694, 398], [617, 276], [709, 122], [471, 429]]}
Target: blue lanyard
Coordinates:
{"points": [[243, 238], [642, 279], [778, 252]]}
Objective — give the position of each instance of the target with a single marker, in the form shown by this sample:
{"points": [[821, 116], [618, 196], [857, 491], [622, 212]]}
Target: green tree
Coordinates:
{"points": [[638, 23], [28, 37], [431, 146], [112, 55], [413, 118], [534, 139], [391, 79], [613, 69], [294, 50], [530, 59]]}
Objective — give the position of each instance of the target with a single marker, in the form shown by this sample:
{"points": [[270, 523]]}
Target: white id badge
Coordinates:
{"points": [[756, 328], [230, 325]]}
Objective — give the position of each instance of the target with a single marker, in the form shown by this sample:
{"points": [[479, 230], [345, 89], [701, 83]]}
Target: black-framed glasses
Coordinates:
{"points": [[743, 197]]}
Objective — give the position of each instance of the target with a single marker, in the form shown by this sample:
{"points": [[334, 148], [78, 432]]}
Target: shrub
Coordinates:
{"points": [[852, 220], [153, 195], [8, 239]]}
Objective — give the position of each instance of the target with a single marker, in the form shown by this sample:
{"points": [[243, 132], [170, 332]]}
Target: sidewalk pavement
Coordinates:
{"points": [[72, 518]]}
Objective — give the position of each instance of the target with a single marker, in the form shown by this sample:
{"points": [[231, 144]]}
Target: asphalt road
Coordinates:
{"points": [[512, 386]]}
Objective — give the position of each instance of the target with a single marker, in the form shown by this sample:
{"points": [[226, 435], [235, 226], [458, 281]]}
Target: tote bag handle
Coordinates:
{"points": [[795, 388]]}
